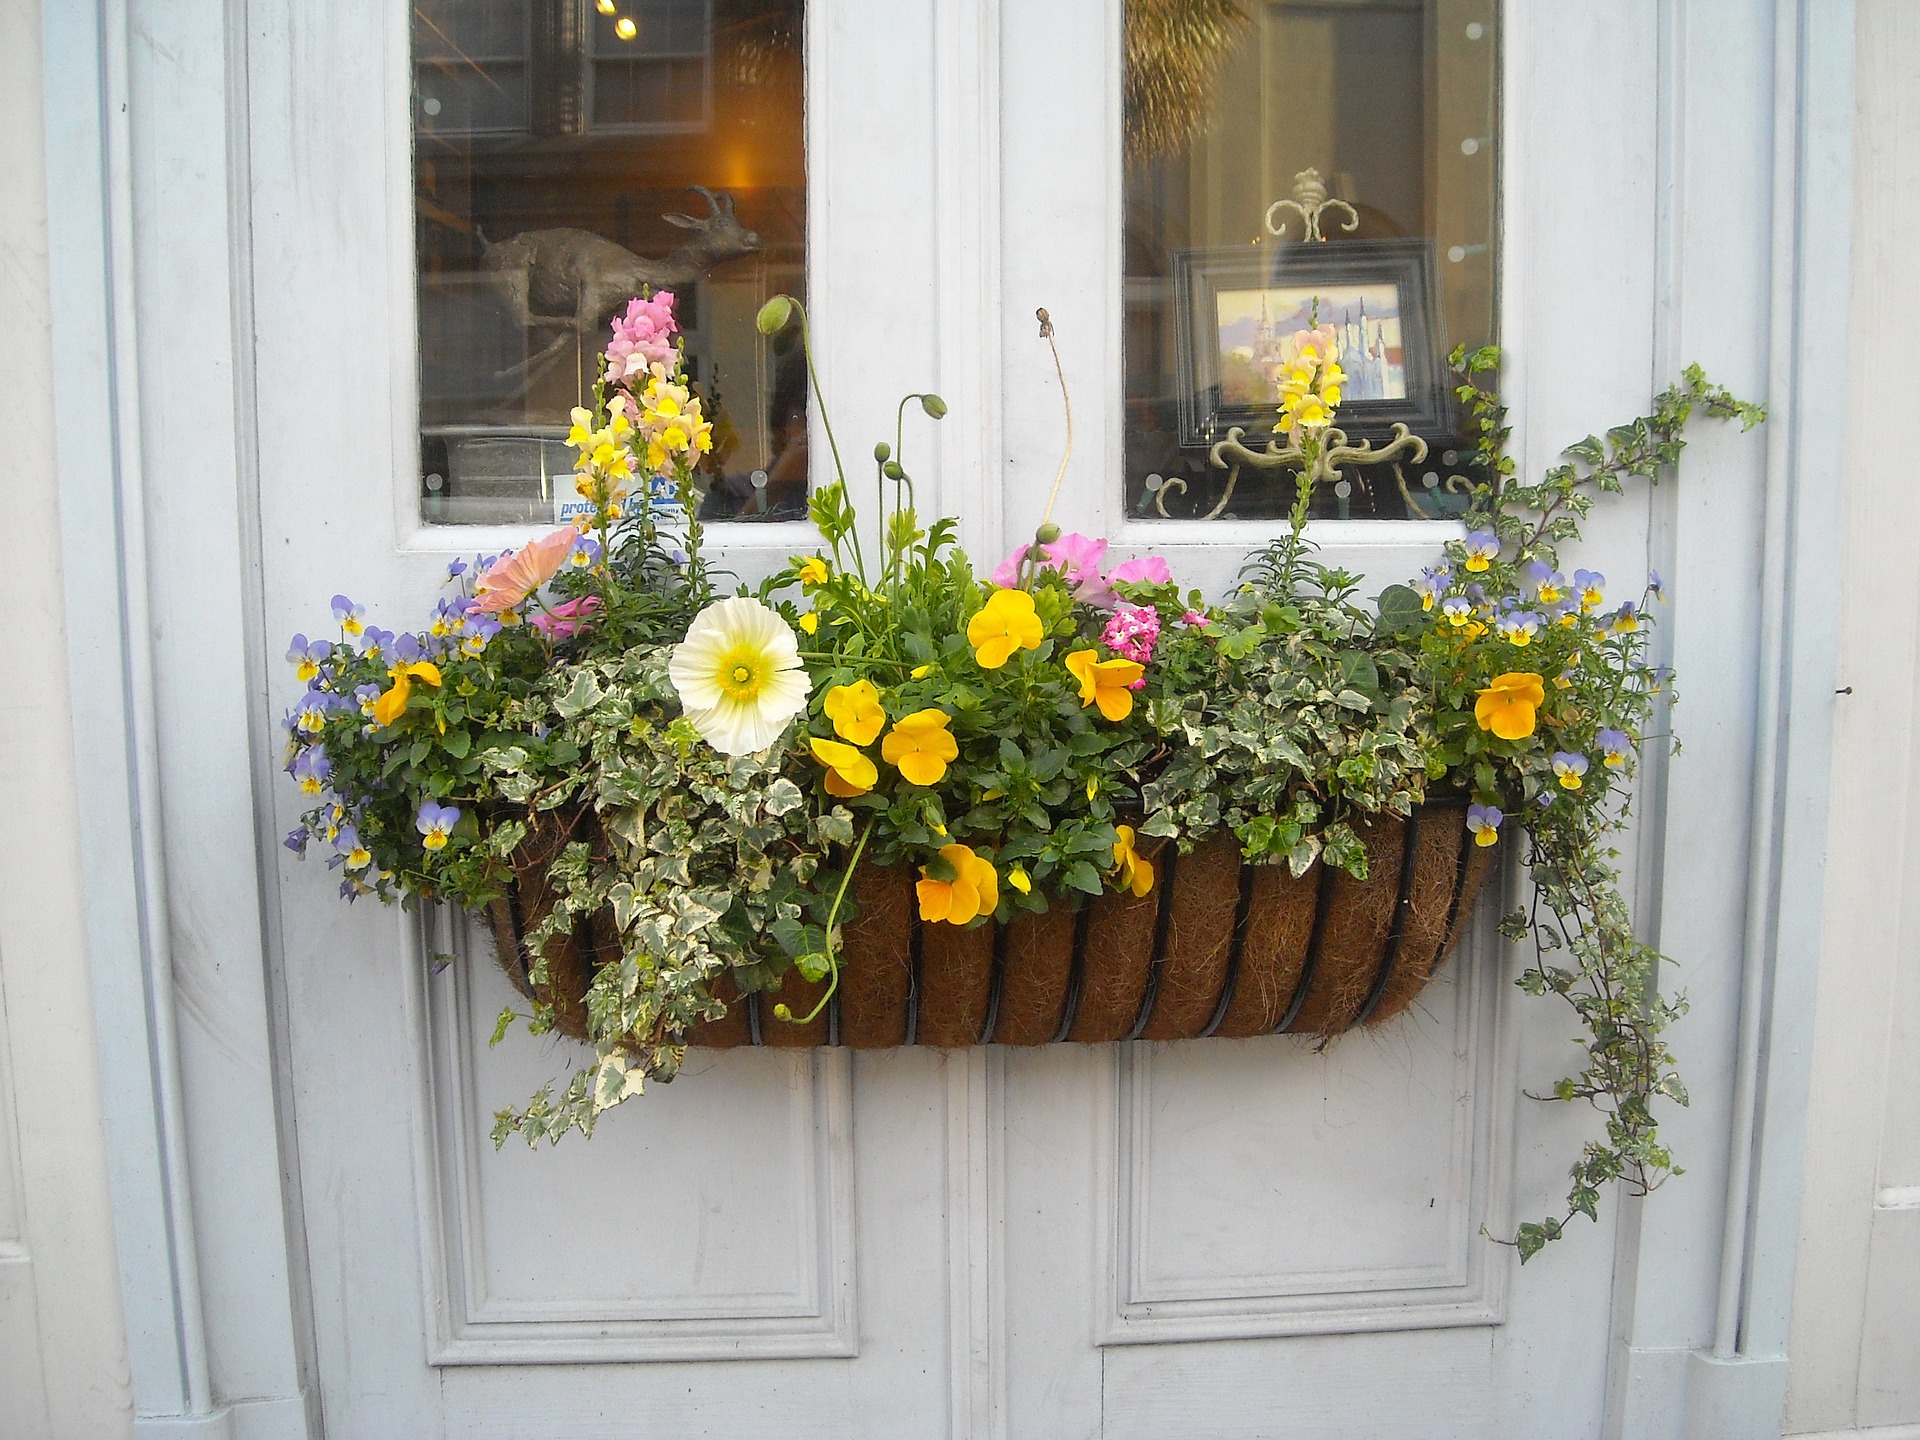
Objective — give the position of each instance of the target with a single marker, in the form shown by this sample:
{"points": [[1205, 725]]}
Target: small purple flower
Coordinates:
{"points": [[1568, 768], [407, 648], [1626, 619], [1544, 799], [455, 569], [585, 552], [1535, 574], [1589, 588], [311, 768], [1655, 587], [1616, 747], [1518, 627], [375, 641], [365, 696], [435, 823], [1457, 608], [1483, 822], [310, 715], [296, 840], [476, 631], [351, 616], [352, 853], [1483, 548], [307, 655]]}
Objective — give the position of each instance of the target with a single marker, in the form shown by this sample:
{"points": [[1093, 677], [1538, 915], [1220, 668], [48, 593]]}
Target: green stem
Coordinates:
{"points": [[833, 915], [826, 422]]}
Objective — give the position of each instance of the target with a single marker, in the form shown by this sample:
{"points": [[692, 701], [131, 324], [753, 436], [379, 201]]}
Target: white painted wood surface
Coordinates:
{"points": [[1057, 1242], [1856, 1315], [63, 1338]]}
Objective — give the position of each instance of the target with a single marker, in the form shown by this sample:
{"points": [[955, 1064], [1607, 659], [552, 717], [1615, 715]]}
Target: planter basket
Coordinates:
{"points": [[1217, 948]]}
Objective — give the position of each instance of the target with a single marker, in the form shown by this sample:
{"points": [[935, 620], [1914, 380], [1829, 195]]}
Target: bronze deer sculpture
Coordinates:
{"points": [[576, 279]]}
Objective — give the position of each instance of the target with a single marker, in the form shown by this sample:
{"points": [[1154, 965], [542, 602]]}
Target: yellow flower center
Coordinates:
{"points": [[740, 674]]}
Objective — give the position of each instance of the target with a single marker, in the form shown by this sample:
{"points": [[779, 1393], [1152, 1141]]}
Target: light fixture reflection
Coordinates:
{"points": [[605, 7], [625, 28]]}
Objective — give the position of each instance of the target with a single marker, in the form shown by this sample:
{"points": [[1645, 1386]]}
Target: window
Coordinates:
{"points": [[567, 155], [1293, 163]]}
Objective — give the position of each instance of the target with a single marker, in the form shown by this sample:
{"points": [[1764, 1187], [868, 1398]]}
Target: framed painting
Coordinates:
{"points": [[1243, 312]]}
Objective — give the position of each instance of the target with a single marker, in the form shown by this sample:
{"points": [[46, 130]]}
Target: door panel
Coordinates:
{"points": [[1179, 1239]]}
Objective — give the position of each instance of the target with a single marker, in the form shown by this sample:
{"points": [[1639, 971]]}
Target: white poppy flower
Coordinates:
{"points": [[739, 676]]}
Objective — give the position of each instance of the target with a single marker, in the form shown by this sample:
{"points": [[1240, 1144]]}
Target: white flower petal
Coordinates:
{"points": [[735, 726]]}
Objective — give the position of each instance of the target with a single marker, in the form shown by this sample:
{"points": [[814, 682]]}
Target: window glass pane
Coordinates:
{"points": [[1229, 104], [567, 155]]}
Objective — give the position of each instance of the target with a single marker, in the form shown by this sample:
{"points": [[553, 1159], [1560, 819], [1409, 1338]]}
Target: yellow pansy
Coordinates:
{"points": [[855, 712], [1106, 683], [812, 571], [974, 889], [392, 704], [1006, 623], [849, 773], [1507, 706], [920, 747], [1133, 870]]}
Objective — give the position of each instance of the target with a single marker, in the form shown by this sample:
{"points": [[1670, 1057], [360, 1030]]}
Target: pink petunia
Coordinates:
{"points": [[566, 620], [1149, 570]]}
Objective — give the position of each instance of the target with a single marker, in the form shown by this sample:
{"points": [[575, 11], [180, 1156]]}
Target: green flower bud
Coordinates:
{"points": [[774, 315], [933, 405], [882, 451], [1046, 534], [892, 470]]}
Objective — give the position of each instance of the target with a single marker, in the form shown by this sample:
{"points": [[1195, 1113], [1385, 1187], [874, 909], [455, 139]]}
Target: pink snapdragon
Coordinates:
{"points": [[642, 337], [1131, 634], [564, 621]]}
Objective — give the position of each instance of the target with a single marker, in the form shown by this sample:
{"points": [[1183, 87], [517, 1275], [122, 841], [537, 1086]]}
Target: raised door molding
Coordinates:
{"points": [[1203, 1239], [553, 1257]]}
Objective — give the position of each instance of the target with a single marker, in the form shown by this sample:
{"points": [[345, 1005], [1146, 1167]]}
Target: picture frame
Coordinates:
{"points": [[1236, 306]]}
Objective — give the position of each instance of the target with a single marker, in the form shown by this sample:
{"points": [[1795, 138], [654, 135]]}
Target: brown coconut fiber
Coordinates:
{"points": [[1273, 950], [1117, 958], [956, 984], [1430, 903], [1036, 958], [1201, 903], [1353, 937], [876, 966]]}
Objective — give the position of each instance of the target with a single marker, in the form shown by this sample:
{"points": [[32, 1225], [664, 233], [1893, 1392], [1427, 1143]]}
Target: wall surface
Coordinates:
{"points": [[63, 1354], [1856, 1320]]}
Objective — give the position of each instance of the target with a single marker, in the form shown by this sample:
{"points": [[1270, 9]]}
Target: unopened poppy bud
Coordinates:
{"points": [[774, 315], [882, 451], [892, 470], [933, 405], [1047, 534]]}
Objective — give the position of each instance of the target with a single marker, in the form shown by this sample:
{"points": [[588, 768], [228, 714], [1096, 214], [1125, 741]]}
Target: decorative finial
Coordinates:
{"points": [[1309, 201]]}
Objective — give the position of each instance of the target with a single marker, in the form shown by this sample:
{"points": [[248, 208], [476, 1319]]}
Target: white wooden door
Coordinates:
{"points": [[1210, 1238]]}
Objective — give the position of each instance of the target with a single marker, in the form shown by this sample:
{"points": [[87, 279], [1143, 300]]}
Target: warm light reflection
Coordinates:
{"points": [[605, 7], [625, 28]]}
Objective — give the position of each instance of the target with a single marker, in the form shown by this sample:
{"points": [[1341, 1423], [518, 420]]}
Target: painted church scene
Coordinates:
{"points": [[1261, 330]]}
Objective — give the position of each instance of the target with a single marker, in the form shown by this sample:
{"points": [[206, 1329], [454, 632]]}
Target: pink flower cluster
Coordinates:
{"points": [[1078, 558], [1131, 634], [642, 337]]}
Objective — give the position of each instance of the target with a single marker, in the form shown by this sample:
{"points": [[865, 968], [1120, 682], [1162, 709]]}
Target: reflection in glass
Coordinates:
{"points": [[1293, 165], [568, 155]]}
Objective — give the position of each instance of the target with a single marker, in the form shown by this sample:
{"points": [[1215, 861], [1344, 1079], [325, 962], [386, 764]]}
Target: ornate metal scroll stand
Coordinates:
{"points": [[1309, 202], [1335, 455]]}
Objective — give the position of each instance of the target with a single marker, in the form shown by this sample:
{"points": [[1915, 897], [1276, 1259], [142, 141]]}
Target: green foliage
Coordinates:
{"points": [[1006, 739]]}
